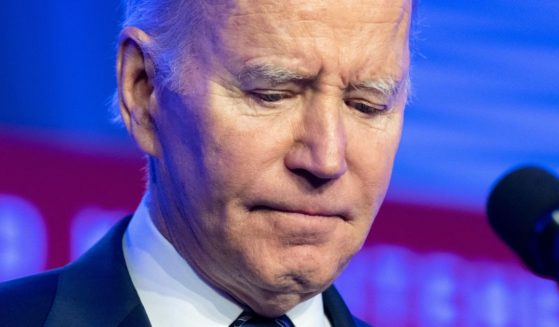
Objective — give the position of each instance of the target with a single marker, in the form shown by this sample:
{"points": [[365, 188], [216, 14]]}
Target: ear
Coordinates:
{"points": [[136, 92]]}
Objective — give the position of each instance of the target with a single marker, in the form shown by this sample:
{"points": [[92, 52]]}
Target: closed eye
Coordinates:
{"points": [[269, 96], [366, 108]]}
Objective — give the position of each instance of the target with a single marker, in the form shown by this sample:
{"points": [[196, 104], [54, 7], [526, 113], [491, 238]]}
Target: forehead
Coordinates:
{"points": [[375, 10], [356, 36]]}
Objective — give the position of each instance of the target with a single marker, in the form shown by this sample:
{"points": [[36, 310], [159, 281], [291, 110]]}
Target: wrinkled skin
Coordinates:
{"points": [[267, 186]]}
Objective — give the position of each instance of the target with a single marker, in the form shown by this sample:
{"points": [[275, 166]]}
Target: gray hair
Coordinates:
{"points": [[174, 26]]}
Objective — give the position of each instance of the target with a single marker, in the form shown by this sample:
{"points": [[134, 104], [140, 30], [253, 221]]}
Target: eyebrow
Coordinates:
{"points": [[388, 87], [277, 75], [274, 74]]}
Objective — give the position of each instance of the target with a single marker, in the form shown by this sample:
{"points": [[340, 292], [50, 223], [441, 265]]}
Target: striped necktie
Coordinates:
{"points": [[251, 319]]}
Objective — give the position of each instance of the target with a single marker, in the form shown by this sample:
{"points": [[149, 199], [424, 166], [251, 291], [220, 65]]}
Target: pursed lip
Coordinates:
{"points": [[306, 210]]}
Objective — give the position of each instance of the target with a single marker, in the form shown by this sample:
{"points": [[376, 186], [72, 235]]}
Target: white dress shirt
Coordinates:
{"points": [[174, 295]]}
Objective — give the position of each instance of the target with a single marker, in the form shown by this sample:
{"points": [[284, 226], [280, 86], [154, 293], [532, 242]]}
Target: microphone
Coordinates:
{"points": [[523, 209]]}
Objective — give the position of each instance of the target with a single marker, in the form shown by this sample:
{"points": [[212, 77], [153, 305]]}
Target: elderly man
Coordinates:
{"points": [[270, 129]]}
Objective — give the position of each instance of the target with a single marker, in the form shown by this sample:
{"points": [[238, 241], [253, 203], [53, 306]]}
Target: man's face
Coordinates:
{"points": [[275, 155]]}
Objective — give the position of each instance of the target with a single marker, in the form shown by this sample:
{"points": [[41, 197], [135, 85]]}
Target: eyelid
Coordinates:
{"points": [[269, 91], [375, 108], [259, 95]]}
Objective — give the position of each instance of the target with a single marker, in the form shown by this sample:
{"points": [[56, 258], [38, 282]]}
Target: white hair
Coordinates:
{"points": [[174, 26]]}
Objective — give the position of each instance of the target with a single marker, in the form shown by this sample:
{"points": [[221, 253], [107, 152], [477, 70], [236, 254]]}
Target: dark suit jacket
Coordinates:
{"points": [[96, 290]]}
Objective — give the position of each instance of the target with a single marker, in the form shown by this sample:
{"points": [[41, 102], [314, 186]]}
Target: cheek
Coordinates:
{"points": [[371, 159], [181, 133], [243, 149]]}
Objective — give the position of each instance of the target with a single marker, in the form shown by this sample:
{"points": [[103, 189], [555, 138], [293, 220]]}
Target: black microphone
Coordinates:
{"points": [[523, 209]]}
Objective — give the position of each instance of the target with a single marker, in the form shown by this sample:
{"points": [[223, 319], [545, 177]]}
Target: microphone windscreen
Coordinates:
{"points": [[516, 204]]}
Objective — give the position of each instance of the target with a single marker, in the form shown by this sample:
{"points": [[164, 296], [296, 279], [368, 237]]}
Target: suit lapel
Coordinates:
{"points": [[96, 290], [336, 309]]}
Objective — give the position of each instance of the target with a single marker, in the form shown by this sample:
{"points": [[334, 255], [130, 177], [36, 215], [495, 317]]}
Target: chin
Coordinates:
{"points": [[298, 279], [284, 295]]}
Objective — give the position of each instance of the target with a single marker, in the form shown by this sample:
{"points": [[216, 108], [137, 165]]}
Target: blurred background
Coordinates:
{"points": [[486, 99]]}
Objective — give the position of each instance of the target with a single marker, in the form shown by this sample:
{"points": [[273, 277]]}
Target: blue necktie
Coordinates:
{"points": [[251, 319]]}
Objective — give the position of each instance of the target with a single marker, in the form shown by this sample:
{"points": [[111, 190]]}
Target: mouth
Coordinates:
{"points": [[303, 211], [296, 226]]}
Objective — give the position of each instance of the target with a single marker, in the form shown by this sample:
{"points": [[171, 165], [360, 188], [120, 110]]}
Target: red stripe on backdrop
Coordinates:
{"points": [[427, 228], [60, 181]]}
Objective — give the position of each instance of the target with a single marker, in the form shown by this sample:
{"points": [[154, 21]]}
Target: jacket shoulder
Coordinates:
{"points": [[27, 301]]}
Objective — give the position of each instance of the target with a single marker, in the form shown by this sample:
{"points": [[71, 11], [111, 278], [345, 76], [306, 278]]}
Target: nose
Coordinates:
{"points": [[319, 148]]}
